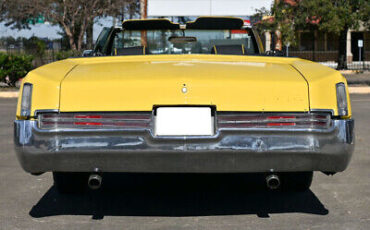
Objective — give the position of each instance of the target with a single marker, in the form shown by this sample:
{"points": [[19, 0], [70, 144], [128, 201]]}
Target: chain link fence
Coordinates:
{"points": [[329, 58], [355, 65], [323, 48]]}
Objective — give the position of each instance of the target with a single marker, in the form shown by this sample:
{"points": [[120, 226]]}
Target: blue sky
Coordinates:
{"points": [[47, 30]]}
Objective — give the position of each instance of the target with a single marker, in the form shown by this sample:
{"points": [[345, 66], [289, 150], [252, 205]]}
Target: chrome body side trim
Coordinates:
{"points": [[322, 111], [230, 150], [37, 112]]}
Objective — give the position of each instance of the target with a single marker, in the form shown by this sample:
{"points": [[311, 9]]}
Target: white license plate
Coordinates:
{"points": [[184, 121]]}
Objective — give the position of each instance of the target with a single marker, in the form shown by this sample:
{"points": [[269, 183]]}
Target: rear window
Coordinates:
{"points": [[202, 42]]}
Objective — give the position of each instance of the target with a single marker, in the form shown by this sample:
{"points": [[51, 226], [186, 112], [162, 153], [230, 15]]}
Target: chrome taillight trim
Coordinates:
{"points": [[276, 120], [143, 121], [74, 121], [26, 100], [342, 101]]}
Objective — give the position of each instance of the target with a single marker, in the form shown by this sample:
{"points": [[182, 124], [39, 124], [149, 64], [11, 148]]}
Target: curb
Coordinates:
{"points": [[349, 71], [11, 94], [359, 90], [352, 90]]}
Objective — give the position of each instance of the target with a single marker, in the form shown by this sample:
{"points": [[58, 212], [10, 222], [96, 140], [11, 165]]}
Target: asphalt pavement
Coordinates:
{"points": [[171, 202], [358, 79]]}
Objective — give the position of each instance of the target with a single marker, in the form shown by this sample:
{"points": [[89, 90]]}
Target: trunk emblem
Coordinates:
{"points": [[184, 89]]}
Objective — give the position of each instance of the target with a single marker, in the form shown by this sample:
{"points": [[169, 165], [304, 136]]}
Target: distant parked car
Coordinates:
{"points": [[193, 98], [87, 53]]}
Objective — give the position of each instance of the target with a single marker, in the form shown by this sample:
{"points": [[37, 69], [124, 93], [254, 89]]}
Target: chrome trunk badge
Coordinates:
{"points": [[184, 89]]}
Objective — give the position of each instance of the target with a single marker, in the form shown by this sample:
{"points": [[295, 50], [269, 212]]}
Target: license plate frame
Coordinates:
{"points": [[184, 121]]}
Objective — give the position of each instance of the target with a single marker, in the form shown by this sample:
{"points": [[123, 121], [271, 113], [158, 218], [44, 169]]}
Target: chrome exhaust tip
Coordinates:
{"points": [[94, 181], [273, 181]]}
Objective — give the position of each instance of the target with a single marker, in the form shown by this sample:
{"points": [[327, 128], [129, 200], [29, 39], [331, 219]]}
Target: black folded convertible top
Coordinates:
{"points": [[150, 24], [216, 23], [201, 23]]}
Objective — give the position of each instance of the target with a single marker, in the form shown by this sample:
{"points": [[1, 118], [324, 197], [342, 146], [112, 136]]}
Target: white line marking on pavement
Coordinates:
{"points": [[359, 90]]}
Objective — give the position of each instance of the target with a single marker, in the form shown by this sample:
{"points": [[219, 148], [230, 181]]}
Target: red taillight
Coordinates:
{"points": [[285, 118], [88, 123], [100, 121], [269, 120]]}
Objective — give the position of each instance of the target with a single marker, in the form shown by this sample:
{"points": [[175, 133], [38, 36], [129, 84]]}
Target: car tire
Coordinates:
{"points": [[69, 182], [296, 181]]}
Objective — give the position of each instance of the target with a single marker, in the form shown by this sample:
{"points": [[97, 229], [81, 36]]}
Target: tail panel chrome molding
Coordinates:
{"points": [[252, 150], [144, 121]]}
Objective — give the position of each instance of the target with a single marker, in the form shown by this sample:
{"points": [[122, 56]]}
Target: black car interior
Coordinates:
{"points": [[228, 49], [138, 50]]}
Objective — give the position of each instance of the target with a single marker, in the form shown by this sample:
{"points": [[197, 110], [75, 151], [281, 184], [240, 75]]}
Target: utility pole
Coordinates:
{"points": [[144, 15], [143, 9], [278, 42]]}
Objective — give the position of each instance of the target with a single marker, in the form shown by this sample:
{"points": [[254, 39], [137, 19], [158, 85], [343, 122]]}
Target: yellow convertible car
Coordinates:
{"points": [[200, 97]]}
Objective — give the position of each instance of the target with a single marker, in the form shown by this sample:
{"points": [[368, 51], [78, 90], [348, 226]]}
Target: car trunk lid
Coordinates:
{"points": [[139, 84]]}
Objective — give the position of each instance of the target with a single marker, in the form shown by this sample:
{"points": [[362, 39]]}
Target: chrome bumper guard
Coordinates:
{"points": [[230, 151]]}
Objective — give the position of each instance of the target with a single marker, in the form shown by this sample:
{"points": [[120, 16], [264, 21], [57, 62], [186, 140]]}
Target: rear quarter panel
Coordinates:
{"points": [[46, 85], [322, 85]]}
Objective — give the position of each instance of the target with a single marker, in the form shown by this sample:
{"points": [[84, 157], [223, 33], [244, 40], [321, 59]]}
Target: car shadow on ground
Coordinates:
{"points": [[178, 195]]}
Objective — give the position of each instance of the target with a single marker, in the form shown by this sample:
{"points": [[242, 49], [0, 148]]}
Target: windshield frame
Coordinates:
{"points": [[257, 43]]}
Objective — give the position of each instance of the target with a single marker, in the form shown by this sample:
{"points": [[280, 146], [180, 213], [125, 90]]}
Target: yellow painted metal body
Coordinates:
{"points": [[46, 82], [228, 82]]}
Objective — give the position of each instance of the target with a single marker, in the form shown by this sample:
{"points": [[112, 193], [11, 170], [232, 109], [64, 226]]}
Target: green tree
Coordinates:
{"points": [[332, 16], [2, 9], [282, 17], [35, 47], [14, 67], [73, 16], [335, 16]]}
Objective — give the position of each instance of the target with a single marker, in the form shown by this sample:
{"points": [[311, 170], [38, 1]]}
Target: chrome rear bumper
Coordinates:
{"points": [[230, 151]]}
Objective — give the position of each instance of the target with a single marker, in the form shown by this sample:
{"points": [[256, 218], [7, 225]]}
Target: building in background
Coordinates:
{"points": [[188, 10], [323, 47], [312, 45], [245, 8]]}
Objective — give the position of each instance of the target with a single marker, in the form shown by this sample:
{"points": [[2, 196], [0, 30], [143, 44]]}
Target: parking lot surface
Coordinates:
{"points": [[171, 202]]}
